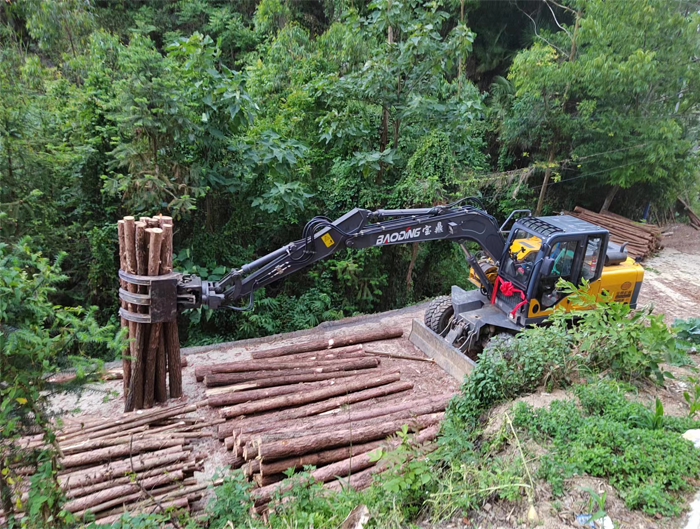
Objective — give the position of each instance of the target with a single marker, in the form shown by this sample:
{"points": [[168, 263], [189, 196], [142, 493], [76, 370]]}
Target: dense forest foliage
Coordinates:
{"points": [[245, 118]]}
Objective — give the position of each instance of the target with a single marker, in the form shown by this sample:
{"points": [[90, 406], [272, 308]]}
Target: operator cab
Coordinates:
{"points": [[542, 250]]}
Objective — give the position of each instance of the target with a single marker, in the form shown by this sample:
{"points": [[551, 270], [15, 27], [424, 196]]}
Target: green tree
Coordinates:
{"points": [[611, 94]]}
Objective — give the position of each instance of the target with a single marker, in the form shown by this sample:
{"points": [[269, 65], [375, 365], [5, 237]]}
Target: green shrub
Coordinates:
{"points": [[510, 368], [638, 450]]}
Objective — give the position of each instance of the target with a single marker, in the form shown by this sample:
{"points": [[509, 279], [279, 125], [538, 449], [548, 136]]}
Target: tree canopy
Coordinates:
{"points": [[244, 119]]}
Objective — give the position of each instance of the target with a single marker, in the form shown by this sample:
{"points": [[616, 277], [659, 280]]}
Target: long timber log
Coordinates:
{"points": [[340, 341], [285, 401], [314, 443], [352, 364], [222, 380]]}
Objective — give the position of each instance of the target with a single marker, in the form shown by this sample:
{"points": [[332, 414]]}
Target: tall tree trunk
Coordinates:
{"points": [[547, 174], [609, 197]]}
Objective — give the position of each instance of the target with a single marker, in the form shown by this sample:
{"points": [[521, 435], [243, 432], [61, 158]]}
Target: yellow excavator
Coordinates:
{"points": [[515, 272]]}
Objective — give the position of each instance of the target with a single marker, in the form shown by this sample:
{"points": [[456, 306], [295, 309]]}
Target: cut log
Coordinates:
{"points": [[352, 364], [352, 398], [179, 503], [264, 481], [341, 416], [258, 365], [122, 450], [314, 443], [221, 380], [97, 498], [134, 397], [400, 356], [108, 471], [130, 421], [295, 399], [225, 430], [170, 330], [359, 481], [126, 355], [155, 236], [236, 397], [90, 489], [350, 351], [317, 459], [340, 341], [341, 421], [359, 462]]}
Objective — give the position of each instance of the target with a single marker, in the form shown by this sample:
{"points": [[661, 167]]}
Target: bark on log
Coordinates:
{"points": [[236, 397], [314, 443], [342, 421], [253, 366], [107, 471], [126, 354], [100, 497], [317, 459], [349, 351], [90, 489], [317, 345], [220, 379], [113, 452], [285, 401], [134, 398], [155, 236], [130, 421], [170, 330], [400, 356], [226, 429]]}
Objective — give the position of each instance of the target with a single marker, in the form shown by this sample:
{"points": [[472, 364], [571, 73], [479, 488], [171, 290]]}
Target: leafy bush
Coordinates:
{"points": [[36, 337], [608, 334], [510, 368], [638, 450]]}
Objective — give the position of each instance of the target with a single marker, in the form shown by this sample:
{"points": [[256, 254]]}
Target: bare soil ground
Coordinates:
{"points": [[672, 277]]}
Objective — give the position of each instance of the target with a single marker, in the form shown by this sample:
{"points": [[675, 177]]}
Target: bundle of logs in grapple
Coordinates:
{"points": [[141, 462], [315, 403], [151, 365]]}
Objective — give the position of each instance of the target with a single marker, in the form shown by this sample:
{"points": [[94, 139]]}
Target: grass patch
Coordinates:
{"points": [[639, 450]]}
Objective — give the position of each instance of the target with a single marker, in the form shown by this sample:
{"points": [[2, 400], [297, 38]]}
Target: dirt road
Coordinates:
{"points": [[672, 278]]}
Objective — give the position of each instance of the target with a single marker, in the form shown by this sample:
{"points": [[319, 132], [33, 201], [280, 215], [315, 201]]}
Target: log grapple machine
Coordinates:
{"points": [[515, 272]]}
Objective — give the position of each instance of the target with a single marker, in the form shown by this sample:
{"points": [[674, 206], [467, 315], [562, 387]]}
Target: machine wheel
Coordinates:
{"points": [[439, 314]]}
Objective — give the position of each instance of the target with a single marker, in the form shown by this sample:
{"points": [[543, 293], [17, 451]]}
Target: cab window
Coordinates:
{"points": [[520, 257], [591, 258], [564, 254]]}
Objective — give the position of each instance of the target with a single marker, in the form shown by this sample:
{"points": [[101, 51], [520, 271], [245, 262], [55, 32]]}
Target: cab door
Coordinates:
{"points": [[566, 254]]}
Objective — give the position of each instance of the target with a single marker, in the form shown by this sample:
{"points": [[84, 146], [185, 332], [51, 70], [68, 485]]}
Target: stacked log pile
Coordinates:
{"points": [[146, 249], [142, 462], [643, 239], [315, 404]]}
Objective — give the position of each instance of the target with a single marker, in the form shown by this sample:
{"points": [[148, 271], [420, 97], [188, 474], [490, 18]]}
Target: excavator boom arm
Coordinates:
{"points": [[359, 228]]}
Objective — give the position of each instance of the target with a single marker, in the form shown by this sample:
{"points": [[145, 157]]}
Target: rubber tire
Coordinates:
{"points": [[438, 314]]}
